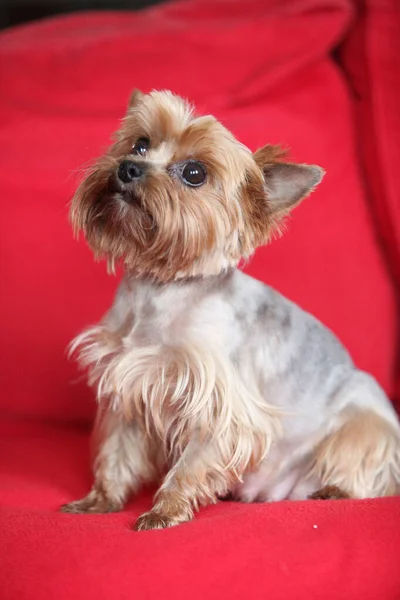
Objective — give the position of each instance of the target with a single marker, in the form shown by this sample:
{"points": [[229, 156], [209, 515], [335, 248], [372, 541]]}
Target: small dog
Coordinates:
{"points": [[205, 377]]}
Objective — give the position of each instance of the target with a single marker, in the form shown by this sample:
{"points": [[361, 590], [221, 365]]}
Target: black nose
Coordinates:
{"points": [[128, 171]]}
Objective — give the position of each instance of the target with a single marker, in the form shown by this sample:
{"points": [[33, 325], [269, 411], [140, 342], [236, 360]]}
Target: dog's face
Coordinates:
{"points": [[178, 196]]}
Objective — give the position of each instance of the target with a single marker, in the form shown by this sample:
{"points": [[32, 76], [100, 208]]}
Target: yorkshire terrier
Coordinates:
{"points": [[208, 380]]}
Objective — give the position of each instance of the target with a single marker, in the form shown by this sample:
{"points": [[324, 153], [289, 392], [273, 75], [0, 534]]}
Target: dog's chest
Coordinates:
{"points": [[179, 315], [217, 321], [171, 354]]}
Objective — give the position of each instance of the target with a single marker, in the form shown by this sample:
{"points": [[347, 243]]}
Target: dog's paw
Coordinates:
{"points": [[155, 520], [94, 502], [329, 492]]}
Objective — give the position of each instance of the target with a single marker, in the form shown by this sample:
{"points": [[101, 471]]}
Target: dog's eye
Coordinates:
{"points": [[193, 173], [141, 146]]}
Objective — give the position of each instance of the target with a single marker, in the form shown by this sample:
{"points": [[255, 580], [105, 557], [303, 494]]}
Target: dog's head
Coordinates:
{"points": [[177, 195]]}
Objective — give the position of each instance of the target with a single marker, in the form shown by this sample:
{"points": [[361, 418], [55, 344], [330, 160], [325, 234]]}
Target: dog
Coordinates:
{"points": [[207, 380]]}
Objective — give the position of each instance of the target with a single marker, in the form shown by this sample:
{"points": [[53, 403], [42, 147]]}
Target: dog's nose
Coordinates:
{"points": [[128, 171]]}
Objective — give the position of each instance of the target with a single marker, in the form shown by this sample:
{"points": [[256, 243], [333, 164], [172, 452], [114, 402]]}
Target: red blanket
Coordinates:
{"points": [[265, 68]]}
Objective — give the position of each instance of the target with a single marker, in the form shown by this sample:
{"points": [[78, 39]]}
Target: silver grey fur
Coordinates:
{"points": [[297, 363]]}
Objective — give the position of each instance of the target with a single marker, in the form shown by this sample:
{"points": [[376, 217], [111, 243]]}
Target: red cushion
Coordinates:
{"points": [[264, 68], [371, 57], [343, 550]]}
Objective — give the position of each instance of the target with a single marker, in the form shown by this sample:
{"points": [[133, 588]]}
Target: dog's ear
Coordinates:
{"points": [[136, 96], [286, 183]]}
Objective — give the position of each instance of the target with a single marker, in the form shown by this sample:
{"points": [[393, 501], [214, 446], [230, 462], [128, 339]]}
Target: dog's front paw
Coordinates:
{"points": [[94, 502], [156, 520], [329, 492]]}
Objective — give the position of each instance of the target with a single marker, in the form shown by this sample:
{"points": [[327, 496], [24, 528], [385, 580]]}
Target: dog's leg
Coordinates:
{"points": [[196, 479], [122, 463], [359, 460]]}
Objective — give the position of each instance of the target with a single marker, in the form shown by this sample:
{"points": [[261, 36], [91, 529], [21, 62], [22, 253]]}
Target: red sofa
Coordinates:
{"points": [[320, 76]]}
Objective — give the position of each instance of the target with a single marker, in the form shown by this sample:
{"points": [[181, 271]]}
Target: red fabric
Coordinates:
{"points": [[371, 56], [231, 550], [264, 68]]}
